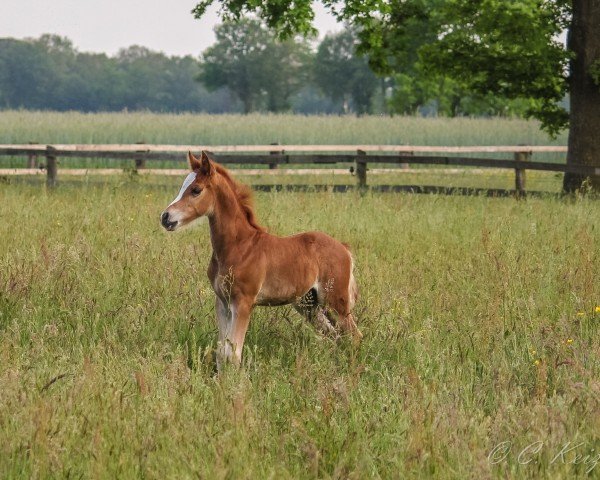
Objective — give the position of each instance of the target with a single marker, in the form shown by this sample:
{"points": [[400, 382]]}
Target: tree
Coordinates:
{"points": [[343, 75], [27, 76], [254, 66], [507, 49], [285, 72], [49, 73]]}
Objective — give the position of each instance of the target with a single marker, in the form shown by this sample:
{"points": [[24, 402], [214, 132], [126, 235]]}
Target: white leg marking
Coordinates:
{"points": [[235, 345], [224, 323]]}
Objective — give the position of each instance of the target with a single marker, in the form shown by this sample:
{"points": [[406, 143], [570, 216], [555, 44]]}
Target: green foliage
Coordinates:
{"points": [[287, 17], [488, 48], [595, 72], [420, 91], [260, 71], [508, 49], [342, 74], [247, 69], [26, 74], [478, 315], [48, 73]]}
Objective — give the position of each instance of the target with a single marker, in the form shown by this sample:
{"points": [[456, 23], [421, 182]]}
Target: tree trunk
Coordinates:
{"points": [[345, 106], [584, 132], [247, 101]]}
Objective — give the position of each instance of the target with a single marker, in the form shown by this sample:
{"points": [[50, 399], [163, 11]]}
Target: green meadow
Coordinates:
{"points": [[256, 129], [481, 316], [203, 129], [262, 129]]}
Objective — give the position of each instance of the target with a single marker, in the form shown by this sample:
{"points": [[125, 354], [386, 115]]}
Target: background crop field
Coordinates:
{"points": [[194, 129], [74, 127], [479, 318], [257, 129]]}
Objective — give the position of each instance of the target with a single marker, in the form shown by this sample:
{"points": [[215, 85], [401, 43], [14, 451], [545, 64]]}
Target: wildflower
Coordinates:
{"points": [[536, 363], [569, 340], [597, 309]]}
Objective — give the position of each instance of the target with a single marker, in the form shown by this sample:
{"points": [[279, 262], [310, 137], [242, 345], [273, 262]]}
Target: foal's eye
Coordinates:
{"points": [[196, 191]]}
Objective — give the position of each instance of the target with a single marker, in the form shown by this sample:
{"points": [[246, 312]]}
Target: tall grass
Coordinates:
{"points": [[202, 129], [74, 127], [478, 314]]}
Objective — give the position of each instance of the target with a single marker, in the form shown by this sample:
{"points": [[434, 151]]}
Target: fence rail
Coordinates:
{"points": [[359, 156], [137, 147]]}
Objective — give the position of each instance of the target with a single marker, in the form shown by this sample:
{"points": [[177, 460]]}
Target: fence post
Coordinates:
{"points": [[361, 169], [140, 162], [405, 166], [274, 166], [51, 168], [520, 173], [32, 158]]}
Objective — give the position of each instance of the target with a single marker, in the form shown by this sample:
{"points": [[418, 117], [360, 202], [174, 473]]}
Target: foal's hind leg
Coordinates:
{"points": [[345, 324], [317, 317], [309, 308], [340, 300]]}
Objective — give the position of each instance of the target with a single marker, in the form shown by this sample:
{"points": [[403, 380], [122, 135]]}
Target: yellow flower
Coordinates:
{"points": [[597, 309], [569, 340], [536, 363], [533, 352]]}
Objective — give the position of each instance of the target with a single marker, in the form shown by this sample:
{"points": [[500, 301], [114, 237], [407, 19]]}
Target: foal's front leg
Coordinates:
{"points": [[233, 320], [224, 350]]}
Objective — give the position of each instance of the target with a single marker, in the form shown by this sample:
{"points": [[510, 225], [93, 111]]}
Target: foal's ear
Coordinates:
{"points": [[206, 166], [194, 163]]}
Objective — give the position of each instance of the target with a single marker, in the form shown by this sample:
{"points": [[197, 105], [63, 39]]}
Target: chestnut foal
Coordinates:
{"points": [[251, 267]]}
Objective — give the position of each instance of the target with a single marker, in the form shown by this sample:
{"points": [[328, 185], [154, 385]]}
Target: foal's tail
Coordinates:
{"points": [[350, 320], [352, 285]]}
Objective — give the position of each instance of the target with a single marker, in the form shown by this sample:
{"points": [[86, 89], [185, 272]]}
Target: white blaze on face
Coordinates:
{"points": [[186, 183]]}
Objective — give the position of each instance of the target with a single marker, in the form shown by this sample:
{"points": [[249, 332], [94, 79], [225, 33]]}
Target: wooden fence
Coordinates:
{"points": [[357, 156]]}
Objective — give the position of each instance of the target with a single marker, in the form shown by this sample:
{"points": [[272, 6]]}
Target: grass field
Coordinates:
{"points": [[481, 356], [483, 178], [256, 129], [201, 129]]}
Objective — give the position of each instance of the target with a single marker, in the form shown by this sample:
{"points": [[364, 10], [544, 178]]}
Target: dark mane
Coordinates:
{"points": [[243, 195]]}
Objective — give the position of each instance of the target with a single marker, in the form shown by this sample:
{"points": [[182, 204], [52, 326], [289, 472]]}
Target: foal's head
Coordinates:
{"points": [[196, 197]]}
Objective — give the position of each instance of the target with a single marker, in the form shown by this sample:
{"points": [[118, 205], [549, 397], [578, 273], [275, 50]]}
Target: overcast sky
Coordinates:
{"points": [[108, 25]]}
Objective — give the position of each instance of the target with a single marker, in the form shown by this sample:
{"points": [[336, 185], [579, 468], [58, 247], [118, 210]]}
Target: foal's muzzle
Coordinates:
{"points": [[166, 222]]}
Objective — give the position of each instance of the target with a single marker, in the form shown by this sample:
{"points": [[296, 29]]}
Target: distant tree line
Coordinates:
{"points": [[48, 73], [247, 69]]}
